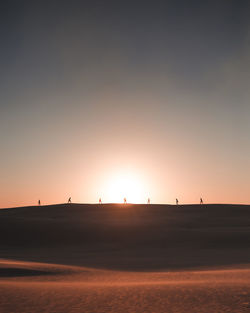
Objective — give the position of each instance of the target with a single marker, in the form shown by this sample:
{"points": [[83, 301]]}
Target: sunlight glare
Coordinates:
{"points": [[125, 185]]}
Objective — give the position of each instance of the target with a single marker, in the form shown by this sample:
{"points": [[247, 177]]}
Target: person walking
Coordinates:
{"points": [[100, 201], [69, 200], [39, 202], [176, 201], [201, 201]]}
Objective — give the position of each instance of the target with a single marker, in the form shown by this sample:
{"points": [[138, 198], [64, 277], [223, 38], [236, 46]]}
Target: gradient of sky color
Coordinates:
{"points": [[92, 88]]}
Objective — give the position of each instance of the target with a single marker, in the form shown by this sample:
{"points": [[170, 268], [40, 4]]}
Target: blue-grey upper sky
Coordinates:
{"points": [[93, 87]]}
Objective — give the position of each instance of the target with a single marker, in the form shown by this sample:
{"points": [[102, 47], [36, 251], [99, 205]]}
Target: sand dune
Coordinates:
{"points": [[131, 237], [77, 289], [133, 258]]}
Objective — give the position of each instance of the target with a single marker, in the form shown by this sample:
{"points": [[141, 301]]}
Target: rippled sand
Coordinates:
{"points": [[37, 287]]}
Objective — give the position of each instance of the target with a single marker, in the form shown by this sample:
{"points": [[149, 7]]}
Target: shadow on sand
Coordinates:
{"points": [[132, 237], [22, 272]]}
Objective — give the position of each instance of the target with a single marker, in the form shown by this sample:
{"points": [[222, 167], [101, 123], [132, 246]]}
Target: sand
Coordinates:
{"points": [[83, 258], [56, 288]]}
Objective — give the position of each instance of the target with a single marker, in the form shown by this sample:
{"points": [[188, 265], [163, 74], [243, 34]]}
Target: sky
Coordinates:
{"points": [[147, 96]]}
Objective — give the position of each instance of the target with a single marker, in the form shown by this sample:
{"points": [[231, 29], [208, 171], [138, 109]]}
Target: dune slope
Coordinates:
{"points": [[128, 237]]}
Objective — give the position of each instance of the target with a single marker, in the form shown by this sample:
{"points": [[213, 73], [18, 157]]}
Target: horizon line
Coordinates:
{"points": [[123, 204]]}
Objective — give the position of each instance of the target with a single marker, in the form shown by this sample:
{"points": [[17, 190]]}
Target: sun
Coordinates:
{"points": [[125, 185]]}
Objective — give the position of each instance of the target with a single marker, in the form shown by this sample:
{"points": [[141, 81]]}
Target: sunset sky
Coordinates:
{"points": [[149, 96]]}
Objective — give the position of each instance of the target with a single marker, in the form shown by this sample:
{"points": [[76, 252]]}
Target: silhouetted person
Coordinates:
{"points": [[176, 201], [69, 201], [39, 202], [125, 200], [201, 201], [148, 200], [100, 201]]}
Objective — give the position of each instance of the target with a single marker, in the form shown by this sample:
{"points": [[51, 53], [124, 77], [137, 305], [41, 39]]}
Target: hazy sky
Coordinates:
{"points": [[90, 90]]}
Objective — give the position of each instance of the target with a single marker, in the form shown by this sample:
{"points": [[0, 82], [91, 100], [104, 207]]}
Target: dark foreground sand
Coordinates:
{"points": [[138, 258]]}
